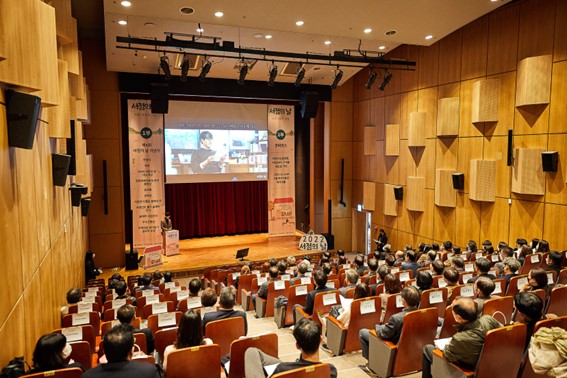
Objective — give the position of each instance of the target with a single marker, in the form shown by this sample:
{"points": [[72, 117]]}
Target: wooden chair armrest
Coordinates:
{"points": [[334, 320], [452, 370]]}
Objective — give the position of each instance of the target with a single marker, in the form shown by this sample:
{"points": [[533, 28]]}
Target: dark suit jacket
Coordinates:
{"points": [[393, 329], [123, 369], [224, 314], [310, 300], [299, 363], [487, 275], [411, 266]]}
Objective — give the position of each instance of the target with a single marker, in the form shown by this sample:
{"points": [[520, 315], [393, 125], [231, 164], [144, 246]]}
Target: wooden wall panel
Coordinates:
{"points": [[445, 195], [482, 180], [369, 144], [343, 232], [369, 195], [64, 18], [378, 214], [390, 203], [34, 318], [356, 197], [406, 164], [466, 127], [506, 108], [60, 115], [450, 58], [410, 78], [416, 193], [377, 116], [496, 148], [103, 150], [408, 106], [558, 106], [359, 168], [469, 149], [392, 109], [423, 223], [555, 231], [534, 80], [70, 51], [503, 39], [339, 211], [446, 153], [380, 164], [425, 162], [485, 100], [342, 93], [526, 220], [405, 218], [428, 66], [391, 165], [43, 183], [443, 223], [448, 117], [536, 30], [527, 172], [2, 36], [361, 118], [555, 182], [417, 129], [341, 119], [474, 49], [495, 221], [14, 329], [467, 220], [47, 46], [560, 44], [392, 140], [427, 103]]}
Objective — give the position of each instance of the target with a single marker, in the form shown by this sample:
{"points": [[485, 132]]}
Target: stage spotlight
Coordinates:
{"points": [[273, 74], [243, 73], [300, 76], [338, 77], [371, 79], [164, 64], [386, 80], [205, 70], [184, 68]]}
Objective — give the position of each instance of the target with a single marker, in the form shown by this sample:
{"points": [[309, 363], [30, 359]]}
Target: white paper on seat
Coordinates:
{"points": [[309, 274], [329, 299], [404, 276], [256, 272], [478, 255], [118, 303], [521, 282], [169, 285], [497, 288], [145, 293], [301, 290], [534, 259], [166, 319], [399, 302], [464, 256], [158, 308], [90, 296], [441, 283], [235, 275], [289, 271], [305, 280], [467, 291], [467, 277], [93, 289], [381, 262], [279, 285], [331, 284], [394, 270], [89, 300], [469, 267], [494, 258], [286, 277], [182, 294], [345, 302], [84, 307], [174, 289], [442, 343], [435, 297], [261, 280], [346, 266], [367, 307], [550, 279], [82, 318], [194, 302], [73, 333], [151, 299]]}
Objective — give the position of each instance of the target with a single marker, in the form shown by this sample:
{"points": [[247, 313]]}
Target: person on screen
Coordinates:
{"points": [[202, 160], [166, 224]]}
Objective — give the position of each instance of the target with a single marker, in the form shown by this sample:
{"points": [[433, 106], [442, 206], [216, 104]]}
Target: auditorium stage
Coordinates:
{"points": [[199, 253]]}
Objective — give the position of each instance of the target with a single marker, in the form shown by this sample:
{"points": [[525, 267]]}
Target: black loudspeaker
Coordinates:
{"points": [[399, 193], [510, 153], [309, 103], [330, 240], [85, 204], [160, 98], [132, 261], [22, 112], [60, 167], [549, 160], [71, 151], [77, 191], [458, 181]]}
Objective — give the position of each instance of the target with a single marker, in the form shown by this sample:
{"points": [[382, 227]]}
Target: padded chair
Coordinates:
{"points": [[163, 338], [155, 320], [293, 299], [393, 306], [404, 275], [248, 286], [74, 308], [558, 301], [60, 373], [141, 302], [448, 328], [87, 334], [500, 308], [188, 303], [341, 339], [333, 283], [499, 286], [514, 286], [562, 279], [560, 322], [531, 262], [194, 362], [218, 284], [313, 371], [162, 286], [223, 332], [319, 307], [500, 357], [140, 293], [434, 298], [462, 291], [81, 353], [109, 315], [388, 359], [151, 309], [93, 318], [267, 343], [265, 307], [465, 276], [112, 304]]}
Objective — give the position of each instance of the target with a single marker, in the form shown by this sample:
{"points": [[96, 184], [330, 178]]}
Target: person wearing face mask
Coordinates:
{"points": [[91, 271], [51, 352]]}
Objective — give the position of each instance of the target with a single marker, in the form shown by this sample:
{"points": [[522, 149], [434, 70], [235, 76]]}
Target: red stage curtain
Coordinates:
{"points": [[212, 209]]}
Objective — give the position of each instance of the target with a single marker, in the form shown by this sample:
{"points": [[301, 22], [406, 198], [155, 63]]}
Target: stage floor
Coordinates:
{"points": [[200, 253]]}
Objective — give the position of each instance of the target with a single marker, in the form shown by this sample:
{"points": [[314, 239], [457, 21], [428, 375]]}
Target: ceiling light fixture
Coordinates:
{"points": [[385, 80], [268, 36], [205, 70], [371, 79], [382, 48], [125, 3], [428, 37], [200, 29], [299, 23], [219, 14], [273, 75], [164, 64], [300, 76], [327, 42], [338, 76], [243, 73], [368, 30], [184, 68], [122, 22]]}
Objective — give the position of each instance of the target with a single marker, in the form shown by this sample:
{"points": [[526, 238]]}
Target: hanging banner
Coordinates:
{"points": [[145, 136], [281, 182]]}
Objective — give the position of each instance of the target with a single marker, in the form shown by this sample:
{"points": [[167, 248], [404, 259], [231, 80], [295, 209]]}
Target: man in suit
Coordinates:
{"points": [[482, 267], [125, 314], [263, 289], [146, 281], [120, 290], [411, 263], [301, 270], [118, 345], [511, 266], [321, 286], [166, 224], [351, 279], [227, 299]]}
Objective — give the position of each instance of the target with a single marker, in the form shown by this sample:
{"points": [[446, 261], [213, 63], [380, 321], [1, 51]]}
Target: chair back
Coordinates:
{"points": [[297, 294], [112, 304], [514, 285], [267, 343], [562, 279], [188, 303], [60, 373], [434, 298], [500, 308], [313, 371], [531, 261], [223, 332], [363, 314], [74, 308], [163, 338], [418, 330], [560, 322], [161, 321], [499, 287], [273, 293], [81, 353], [245, 282], [157, 308], [323, 302], [142, 301], [393, 306], [379, 289], [195, 362], [404, 275], [140, 293], [80, 333], [501, 355], [558, 301], [462, 291], [448, 328], [335, 282], [92, 318]]}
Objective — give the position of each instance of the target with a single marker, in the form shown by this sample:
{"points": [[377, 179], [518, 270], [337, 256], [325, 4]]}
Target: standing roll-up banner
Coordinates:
{"points": [[281, 182], [145, 136]]}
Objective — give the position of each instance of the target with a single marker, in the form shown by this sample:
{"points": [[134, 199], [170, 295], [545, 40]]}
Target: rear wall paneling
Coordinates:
{"points": [[560, 44], [503, 39], [537, 27], [450, 58], [474, 49], [526, 220], [495, 220], [558, 106], [377, 116], [428, 65]]}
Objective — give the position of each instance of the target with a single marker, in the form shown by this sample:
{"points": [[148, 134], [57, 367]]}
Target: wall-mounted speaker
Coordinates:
{"points": [[71, 151], [77, 191], [399, 193], [160, 98], [458, 181], [85, 204], [22, 113], [60, 167], [549, 160], [309, 102], [510, 152]]}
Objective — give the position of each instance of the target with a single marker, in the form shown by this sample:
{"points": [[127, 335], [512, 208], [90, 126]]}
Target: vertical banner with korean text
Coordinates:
{"points": [[145, 136], [281, 182]]}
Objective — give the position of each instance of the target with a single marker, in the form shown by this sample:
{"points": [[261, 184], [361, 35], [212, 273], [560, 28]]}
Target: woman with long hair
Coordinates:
{"points": [[189, 334], [392, 285], [50, 353]]}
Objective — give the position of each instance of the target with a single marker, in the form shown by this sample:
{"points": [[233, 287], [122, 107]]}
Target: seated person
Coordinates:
{"points": [[282, 267], [554, 261], [167, 276], [263, 290], [392, 285], [227, 299], [146, 283], [194, 287], [351, 279], [511, 266], [392, 330], [244, 271], [307, 334], [383, 271], [483, 288], [451, 279], [320, 287], [499, 269], [327, 268], [437, 267], [372, 270], [120, 290], [189, 334], [125, 314], [465, 345], [529, 310], [50, 353], [74, 296], [302, 268], [208, 300], [411, 263], [482, 268], [423, 281], [118, 346], [458, 263], [399, 258], [359, 265], [537, 279]]}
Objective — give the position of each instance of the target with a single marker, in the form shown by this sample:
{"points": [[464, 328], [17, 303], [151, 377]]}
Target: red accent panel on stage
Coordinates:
{"points": [[211, 209]]}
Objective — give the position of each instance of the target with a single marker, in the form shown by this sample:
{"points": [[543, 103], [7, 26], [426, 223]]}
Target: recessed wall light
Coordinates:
{"points": [[429, 37], [258, 35], [125, 3], [268, 36], [368, 30], [327, 42], [200, 30], [299, 23], [382, 48], [219, 14], [122, 22]]}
